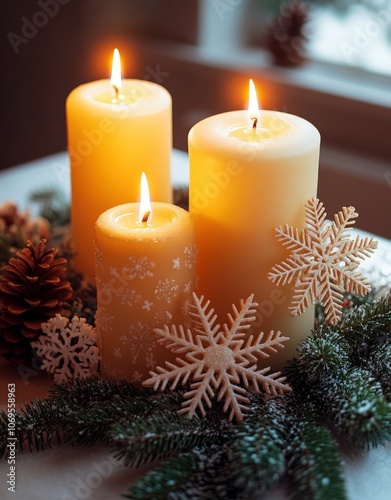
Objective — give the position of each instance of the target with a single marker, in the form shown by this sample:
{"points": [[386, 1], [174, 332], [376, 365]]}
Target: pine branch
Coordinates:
{"points": [[82, 412], [257, 444], [355, 403], [38, 424], [314, 465], [379, 364], [53, 206], [159, 436], [326, 352], [91, 391], [90, 426], [349, 396], [171, 477], [367, 321], [198, 474]]}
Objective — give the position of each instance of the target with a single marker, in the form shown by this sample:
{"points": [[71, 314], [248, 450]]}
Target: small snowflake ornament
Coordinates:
{"points": [[218, 360], [323, 260], [67, 348]]}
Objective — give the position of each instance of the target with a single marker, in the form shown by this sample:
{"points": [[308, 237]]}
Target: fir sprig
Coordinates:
{"points": [[198, 475], [367, 322], [257, 446], [350, 397], [355, 403], [378, 363], [167, 481], [141, 440], [281, 437], [314, 465], [82, 412]]}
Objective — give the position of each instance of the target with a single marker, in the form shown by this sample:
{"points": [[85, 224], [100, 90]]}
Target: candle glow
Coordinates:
{"points": [[116, 130], [116, 80], [254, 115], [145, 211], [245, 182], [145, 276]]}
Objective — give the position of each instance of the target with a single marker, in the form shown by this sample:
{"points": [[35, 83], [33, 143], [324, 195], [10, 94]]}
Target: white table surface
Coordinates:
{"points": [[66, 473]]}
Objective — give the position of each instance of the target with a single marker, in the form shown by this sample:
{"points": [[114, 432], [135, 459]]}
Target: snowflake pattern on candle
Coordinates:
{"points": [[140, 341], [166, 289], [98, 258], [129, 297], [147, 305], [162, 318], [103, 319], [190, 256], [140, 268], [140, 287]]}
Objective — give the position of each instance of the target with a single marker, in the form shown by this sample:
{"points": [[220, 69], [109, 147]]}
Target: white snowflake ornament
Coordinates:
{"points": [[323, 260], [67, 348], [218, 360]]}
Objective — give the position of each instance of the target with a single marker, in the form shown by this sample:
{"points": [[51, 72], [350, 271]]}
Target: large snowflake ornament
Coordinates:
{"points": [[323, 260], [67, 348], [218, 360]]}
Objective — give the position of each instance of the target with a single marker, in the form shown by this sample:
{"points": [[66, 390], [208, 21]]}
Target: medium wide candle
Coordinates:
{"points": [[116, 130], [249, 173], [145, 277]]}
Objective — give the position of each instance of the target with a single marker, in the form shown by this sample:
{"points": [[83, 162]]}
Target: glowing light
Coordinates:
{"points": [[254, 115], [116, 81], [145, 211]]}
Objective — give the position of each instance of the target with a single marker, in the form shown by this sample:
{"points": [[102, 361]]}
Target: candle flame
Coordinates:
{"points": [[145, 210], [115, 81], [254, 115]]}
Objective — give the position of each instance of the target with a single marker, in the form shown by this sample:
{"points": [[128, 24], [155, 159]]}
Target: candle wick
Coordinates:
{"points": [[116, 91], [146, 216], [255, 122]]}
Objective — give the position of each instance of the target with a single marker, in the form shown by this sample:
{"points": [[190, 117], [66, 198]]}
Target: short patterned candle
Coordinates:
{"points": [[145, 277]]}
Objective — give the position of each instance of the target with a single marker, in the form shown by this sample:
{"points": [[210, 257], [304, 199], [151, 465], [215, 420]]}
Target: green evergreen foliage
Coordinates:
{"points": [[345, 372], [141, 440], [355, 403], [314, 464], [53, 205], [341, 380], [198, 475], [257, 444]]}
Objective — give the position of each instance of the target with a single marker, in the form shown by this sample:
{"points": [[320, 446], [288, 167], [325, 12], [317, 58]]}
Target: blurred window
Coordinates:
{"points": [[359, 35]]}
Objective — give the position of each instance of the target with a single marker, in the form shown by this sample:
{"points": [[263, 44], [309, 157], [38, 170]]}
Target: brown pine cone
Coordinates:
{"points": [[287, 37], [32, 290]]}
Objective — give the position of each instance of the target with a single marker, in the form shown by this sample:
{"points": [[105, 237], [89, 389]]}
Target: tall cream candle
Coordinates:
{"points": [[250, 173], [116, 130]]}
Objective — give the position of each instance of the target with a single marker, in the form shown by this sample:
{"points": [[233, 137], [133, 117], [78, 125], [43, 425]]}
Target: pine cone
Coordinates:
{"points": [[32, 289], [287, 39]]}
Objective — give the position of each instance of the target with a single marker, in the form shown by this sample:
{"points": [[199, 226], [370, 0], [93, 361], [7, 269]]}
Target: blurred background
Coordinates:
{"points": [[327, 61]]}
